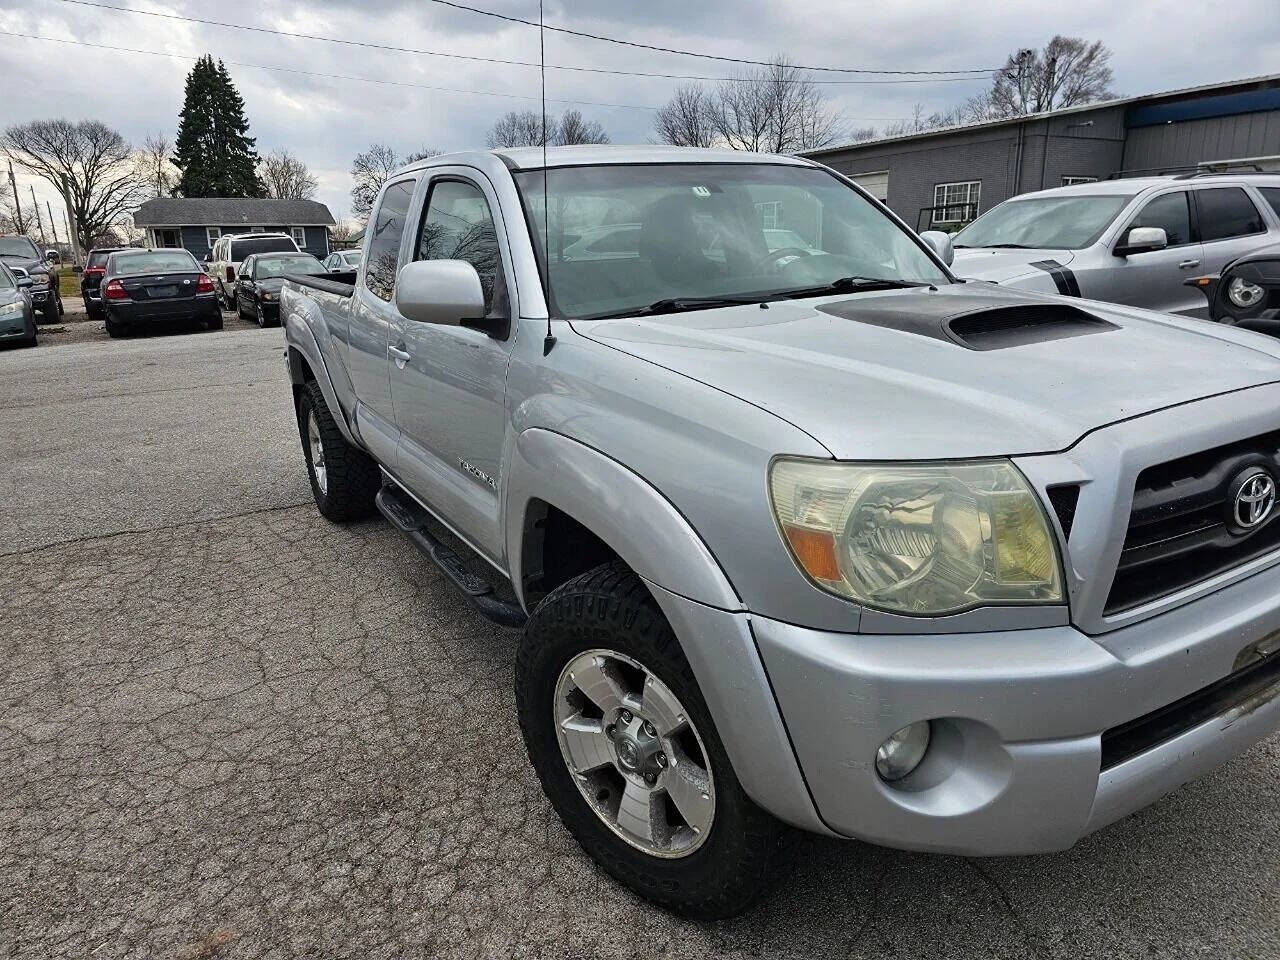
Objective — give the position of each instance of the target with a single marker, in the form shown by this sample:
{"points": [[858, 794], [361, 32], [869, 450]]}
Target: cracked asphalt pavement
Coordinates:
{"points": [[231, 729]]}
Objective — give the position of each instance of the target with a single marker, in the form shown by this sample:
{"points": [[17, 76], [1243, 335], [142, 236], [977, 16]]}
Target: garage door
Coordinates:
{"points": [[875, 183]]}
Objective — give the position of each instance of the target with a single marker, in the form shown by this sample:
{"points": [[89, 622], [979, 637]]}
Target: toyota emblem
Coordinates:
{"points": [[1255, 497]]}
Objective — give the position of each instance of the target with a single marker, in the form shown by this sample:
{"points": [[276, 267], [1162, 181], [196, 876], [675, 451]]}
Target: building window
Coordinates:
{"points": [[956, 202], [257, 229], [211, 235], [770, 214], [1071, 181], [299, 236]]}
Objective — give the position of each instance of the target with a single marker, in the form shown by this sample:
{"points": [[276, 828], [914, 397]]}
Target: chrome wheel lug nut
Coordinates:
{"points": [[650, 779], [650, 729], [625, 716], [611, 731], [661, 760]]}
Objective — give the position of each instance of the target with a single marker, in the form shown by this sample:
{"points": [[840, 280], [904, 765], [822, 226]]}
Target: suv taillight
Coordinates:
{"points": [[94, 271], [204, 284], [115, 291], [231, 274]]}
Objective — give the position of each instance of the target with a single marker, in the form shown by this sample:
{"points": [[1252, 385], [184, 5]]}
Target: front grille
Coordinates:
{"points": [[1179, 531], [1138, 736]]}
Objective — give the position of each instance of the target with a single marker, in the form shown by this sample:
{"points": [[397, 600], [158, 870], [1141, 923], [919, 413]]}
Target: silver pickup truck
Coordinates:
{"points": [[800, 530]]}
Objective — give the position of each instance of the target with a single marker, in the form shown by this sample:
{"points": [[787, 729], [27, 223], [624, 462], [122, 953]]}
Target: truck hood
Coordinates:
{"points": [[992, 263], [960, 371]]}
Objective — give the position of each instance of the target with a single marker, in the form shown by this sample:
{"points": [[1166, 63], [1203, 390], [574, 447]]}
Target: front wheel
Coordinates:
{"points": [[625, 748], [344, 479]]}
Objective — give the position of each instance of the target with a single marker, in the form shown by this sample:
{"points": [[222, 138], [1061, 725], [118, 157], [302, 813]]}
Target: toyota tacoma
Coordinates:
{"points": [[799, 534]]}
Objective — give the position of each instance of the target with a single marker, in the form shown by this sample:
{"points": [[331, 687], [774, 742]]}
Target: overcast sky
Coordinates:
{"points": [[1157, 45]]}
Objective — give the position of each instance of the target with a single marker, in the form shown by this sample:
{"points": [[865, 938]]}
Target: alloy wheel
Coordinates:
{"points": [[634, 754], [317, 453]]}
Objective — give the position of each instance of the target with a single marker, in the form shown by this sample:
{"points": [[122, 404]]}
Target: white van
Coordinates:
{"points": [[223, 262]]}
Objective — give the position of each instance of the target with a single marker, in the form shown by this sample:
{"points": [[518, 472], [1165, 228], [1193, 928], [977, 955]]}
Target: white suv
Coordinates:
{"points": [[223, 262]]}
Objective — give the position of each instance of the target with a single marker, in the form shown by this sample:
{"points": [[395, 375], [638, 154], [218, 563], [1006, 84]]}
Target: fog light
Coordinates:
{"points": [[903, 751]]}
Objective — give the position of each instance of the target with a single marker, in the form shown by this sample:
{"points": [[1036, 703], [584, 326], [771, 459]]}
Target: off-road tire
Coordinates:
{"points": [[353, 478], [747, 850]]}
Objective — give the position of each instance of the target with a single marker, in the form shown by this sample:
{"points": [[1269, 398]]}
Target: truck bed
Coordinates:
{"points": [[341, 283]]}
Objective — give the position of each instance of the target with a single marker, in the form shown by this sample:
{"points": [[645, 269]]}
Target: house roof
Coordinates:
{"points": [[229, 211], [1100, 105]]}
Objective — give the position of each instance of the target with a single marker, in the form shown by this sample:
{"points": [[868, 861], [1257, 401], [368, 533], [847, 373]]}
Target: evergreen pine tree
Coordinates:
{"points": [[213, 149]]}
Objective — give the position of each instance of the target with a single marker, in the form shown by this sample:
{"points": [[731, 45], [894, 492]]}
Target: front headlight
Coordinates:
{"points": [[1243, 293], [39, 279], [11, 309], [917, 538]]}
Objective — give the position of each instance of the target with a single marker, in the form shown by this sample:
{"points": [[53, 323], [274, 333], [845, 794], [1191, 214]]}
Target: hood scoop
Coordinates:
{"points": [[979, 321]]}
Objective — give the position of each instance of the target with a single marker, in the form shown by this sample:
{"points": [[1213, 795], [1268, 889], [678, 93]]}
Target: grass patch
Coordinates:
{"points": [[68, 282]]}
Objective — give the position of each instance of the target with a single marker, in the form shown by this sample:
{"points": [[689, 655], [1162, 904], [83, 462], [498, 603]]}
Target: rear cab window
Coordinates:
{"points": [[387, 230], [1227, 212]]}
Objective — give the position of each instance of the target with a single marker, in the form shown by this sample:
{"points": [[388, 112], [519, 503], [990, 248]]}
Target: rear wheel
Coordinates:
{"points": [[344, 479], [214, 322], [114, 327], [625, 748]]}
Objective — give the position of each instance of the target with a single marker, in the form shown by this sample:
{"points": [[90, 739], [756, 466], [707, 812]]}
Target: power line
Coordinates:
{"points": [[505, 62], [326, 76], [695, 53]]}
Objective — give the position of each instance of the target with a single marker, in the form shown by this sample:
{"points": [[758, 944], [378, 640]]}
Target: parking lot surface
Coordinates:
{"points": [[231, 729]]}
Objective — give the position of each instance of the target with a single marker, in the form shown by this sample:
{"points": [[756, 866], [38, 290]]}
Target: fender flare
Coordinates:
{"points": [[301, 342], [617, 505]]}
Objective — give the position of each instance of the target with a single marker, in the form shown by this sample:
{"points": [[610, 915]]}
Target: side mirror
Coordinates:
{"points": [[440, 291], [52, 256], [940, 243], [1142, 240]]}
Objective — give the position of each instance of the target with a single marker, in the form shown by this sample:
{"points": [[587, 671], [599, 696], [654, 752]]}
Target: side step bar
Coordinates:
{"points": [[410, 519]]}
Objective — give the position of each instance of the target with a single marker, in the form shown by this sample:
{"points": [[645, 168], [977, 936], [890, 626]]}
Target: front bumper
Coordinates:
{"points": [[1016, 761], [14, 328]]}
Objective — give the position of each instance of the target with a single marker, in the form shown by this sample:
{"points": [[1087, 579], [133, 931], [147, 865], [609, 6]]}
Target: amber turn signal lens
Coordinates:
{"points": [[815, 551]]}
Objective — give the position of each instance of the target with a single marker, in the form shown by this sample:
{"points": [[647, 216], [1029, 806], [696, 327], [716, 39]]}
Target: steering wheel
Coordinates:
{"points": [[778, 254]]}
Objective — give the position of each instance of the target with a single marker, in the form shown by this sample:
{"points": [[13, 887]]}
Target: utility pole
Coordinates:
{"points": [[39, 219], [53, 224], [17, 204]]}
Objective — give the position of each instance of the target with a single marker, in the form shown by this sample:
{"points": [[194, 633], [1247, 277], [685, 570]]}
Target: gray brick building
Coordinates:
{"points": [[941, 178]]}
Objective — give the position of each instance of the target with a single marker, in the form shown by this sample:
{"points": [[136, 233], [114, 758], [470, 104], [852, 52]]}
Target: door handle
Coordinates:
{"points": [[401, 357], [1188, 264]]}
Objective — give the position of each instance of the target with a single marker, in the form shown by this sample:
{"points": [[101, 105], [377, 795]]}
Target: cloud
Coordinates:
{"points": [[326, 121]]}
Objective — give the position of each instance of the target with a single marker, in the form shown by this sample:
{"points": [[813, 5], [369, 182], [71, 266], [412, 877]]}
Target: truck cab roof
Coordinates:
{"points": [[531, 158]]}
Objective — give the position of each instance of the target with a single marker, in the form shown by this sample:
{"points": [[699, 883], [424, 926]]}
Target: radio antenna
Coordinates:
{"points": [[550, 340]]}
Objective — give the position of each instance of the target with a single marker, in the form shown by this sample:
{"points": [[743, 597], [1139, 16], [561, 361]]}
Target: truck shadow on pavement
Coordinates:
{"points": [[268, 736]]}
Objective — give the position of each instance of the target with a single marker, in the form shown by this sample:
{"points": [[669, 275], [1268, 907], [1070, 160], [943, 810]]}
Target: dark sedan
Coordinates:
{"points": [[95, 265], [141, 287], [17, 314], [260, 279], [1247, 292]]}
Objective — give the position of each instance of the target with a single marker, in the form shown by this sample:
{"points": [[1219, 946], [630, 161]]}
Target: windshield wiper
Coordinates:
{"points": [[681, 304], [852, 283], [1000, 246]]}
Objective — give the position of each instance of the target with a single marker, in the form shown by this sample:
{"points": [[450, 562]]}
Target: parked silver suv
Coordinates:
{"points": [[809, 534], [1124, 241]]}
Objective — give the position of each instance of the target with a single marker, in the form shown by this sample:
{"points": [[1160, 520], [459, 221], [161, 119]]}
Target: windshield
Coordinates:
{"points": [[247, 248], [98, 257], [18, 247], [151, 261], [352, 258], [265, 267], [623, 238], [1043, 223]]}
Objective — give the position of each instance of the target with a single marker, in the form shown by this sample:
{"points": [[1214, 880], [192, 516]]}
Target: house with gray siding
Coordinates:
{"points": [[943, 178], [196, 223]]}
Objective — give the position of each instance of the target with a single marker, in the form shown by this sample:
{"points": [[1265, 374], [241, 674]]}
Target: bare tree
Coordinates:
{"points": [[285, 177], [1069, 71], [92, 163], [572, 129], [155, 165], [685, 120], [341, 232], [523, 128], [859, 134], [775, 108], [370, 170]]}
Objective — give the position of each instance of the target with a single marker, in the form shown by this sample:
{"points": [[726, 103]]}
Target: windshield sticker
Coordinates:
{"points": [[701, 192]]}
